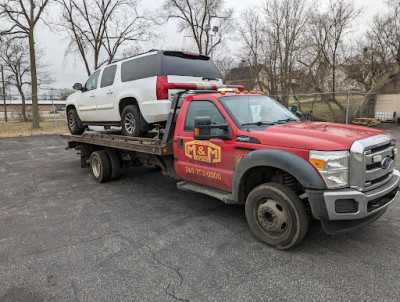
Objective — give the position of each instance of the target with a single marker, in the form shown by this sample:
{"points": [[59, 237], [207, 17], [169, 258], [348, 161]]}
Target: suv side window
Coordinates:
{"points": [[92, 82], [107, 79], [204, 108], [139, 68]]}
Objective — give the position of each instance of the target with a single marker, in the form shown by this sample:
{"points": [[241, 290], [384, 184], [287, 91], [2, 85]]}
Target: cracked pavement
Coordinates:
{"points": [[65, 237]]}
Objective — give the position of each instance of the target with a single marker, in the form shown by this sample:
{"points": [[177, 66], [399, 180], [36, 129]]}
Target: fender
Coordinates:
{"points": [[286, 161]]}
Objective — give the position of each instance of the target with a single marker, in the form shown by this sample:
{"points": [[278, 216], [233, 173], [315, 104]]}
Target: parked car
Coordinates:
{"points": [[134, 93]]}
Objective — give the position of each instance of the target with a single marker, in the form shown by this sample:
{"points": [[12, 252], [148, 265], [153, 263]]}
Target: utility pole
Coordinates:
{"points": [[4, 93]]}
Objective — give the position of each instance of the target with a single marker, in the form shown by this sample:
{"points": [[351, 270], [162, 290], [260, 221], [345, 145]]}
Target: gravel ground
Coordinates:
{"points": [[65, 237]]}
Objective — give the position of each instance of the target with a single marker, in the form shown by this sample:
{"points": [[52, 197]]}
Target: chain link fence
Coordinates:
{"points": [[16, 121], [339, 106]]}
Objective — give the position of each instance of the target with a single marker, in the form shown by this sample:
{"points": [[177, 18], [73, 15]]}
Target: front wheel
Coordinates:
{"points": [[74, 122], [276, 215]]}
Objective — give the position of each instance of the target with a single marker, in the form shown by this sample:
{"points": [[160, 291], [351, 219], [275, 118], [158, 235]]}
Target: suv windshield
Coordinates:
{"points": [[256, 110]]}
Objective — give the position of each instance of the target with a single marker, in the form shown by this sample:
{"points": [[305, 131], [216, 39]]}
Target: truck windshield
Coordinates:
{"points": [[256, 110]]}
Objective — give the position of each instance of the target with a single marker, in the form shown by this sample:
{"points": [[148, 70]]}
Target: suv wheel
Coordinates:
{"points": [[74, 122], [131, 121]]}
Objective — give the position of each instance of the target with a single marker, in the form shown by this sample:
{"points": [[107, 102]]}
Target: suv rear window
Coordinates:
{"points": [[139, 68], [188, 65]]}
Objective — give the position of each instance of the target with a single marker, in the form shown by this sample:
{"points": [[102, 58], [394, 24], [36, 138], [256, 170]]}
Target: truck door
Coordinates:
{"points": [[105, 96], [87, 101], [207, 162]]}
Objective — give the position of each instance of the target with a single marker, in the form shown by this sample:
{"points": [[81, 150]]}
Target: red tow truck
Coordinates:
{"points": [[246, 148]]}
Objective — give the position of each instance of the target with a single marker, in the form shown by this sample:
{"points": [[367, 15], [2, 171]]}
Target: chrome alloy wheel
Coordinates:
{"points": [[129, 123], [71, 121], [273, 217]]}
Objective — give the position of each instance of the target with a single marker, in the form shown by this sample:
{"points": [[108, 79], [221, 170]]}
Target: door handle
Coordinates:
{"points": [[110, 92], [92, 95], [180, 143]]}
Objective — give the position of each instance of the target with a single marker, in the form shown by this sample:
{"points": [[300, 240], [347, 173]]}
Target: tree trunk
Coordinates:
{"points": [[23, 111], [35, 107]]}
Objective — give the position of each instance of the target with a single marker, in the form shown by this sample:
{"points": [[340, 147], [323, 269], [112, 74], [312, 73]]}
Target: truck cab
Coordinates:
{"points": [[251, 146]]}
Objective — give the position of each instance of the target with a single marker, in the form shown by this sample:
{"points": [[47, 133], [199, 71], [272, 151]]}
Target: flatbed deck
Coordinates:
{"points": [[138, 144]]}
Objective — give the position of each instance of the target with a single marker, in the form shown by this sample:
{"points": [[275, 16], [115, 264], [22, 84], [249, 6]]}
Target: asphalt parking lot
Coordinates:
{"points": [[65, 237]]}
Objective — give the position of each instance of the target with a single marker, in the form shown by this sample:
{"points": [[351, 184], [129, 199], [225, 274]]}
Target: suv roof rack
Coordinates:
{"points": [[117, 60]]}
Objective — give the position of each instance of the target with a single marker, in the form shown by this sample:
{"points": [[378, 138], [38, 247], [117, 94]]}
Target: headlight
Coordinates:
{"points": [[333, 167]]}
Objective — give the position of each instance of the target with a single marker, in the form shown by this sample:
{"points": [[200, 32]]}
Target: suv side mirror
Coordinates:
{"points": [[77, 86], [202, 129], [299, 114]]}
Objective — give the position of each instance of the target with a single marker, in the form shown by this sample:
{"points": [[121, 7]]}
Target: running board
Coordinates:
{"points": [[226, 197]]}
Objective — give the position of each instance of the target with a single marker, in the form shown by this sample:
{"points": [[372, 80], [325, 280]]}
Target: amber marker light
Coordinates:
{"points": [[196, 131], [262, 93], [318, 163], [252, 92], [237, 91], [245, 92], [223, 92]]}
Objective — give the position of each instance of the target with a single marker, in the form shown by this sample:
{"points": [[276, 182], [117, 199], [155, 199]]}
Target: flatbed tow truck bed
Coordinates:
{"points": [[137, 144]]}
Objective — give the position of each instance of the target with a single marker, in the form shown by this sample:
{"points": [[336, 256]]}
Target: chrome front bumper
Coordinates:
{"points": [[368, 203]]}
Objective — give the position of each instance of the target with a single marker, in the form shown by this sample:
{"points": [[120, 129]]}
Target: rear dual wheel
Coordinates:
{"points": [[276, 215], [105, 165]]}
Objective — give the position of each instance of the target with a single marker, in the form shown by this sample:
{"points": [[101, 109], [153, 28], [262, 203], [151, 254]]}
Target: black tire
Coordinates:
{"points": [[115, 164], [130, 121], [276, 215], [74, 122], [101, 166]]}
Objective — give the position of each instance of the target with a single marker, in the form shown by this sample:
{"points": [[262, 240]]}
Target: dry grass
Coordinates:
{"points": [[322, 111], [14, 129]]}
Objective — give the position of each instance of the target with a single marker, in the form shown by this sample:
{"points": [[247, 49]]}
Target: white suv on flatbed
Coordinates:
{"points": [[135, 93]]}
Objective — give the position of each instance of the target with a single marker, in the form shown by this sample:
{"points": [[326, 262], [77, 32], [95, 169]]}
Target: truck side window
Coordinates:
{"points": [[92, 82], [204, 108], [107, 79]]}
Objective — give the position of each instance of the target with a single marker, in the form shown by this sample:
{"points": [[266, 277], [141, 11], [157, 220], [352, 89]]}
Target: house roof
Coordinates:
{"points": [[244, 75]]}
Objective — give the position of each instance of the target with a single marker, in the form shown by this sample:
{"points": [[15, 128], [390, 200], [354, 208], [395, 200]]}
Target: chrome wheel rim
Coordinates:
{"points": [[273, 217], [129, 122], [96, 167], [71, 121]]}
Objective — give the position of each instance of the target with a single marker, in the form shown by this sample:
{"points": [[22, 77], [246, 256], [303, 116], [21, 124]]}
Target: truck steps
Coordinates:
{"points": [[226, 197]]}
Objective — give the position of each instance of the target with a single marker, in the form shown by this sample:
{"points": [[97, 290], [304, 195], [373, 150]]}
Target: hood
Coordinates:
{"points": [[315, 135]]}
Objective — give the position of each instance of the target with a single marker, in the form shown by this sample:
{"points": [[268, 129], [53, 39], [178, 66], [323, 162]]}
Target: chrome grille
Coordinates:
{"points": [[366, 156]]}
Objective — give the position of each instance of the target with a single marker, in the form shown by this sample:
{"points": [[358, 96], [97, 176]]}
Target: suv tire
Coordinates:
{"points": [[74, 122], [130, 121], [276, 215]]}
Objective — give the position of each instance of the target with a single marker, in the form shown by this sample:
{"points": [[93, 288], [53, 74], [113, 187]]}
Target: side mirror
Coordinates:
{"points": [[77, 86], [202, 128], [299, 114]]}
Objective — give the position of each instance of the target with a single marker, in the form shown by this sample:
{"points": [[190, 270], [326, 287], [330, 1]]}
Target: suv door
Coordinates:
{"points": [[87, 102], [105, 95], [208, 162]]}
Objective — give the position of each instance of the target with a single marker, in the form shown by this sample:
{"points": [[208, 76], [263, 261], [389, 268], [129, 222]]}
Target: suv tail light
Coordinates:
{"points": [[162, 88]]}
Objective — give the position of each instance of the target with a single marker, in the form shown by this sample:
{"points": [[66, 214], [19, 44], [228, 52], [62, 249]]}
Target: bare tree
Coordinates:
{"points": [[98, 29], [22, 16], [256, 51], [15, 57], [326, 49], [206, 21], [384, 35], [285, 22]]}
